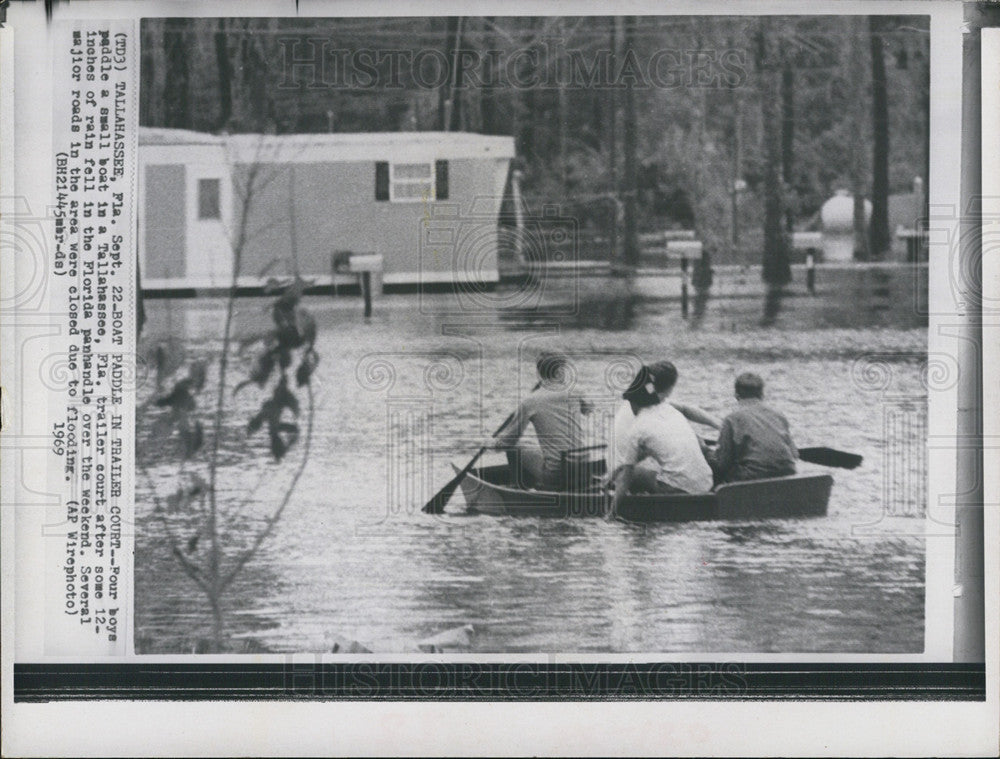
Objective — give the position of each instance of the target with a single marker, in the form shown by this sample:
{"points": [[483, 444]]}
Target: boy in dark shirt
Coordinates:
{"points": [[754, 441]]}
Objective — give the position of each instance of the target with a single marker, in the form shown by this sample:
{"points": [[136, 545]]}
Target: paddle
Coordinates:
{"points": [[826, 457], [831, 457], [436, 504]]}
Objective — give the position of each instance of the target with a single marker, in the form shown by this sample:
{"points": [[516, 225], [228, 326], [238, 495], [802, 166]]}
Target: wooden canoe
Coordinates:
{"points": [[802, 495]]}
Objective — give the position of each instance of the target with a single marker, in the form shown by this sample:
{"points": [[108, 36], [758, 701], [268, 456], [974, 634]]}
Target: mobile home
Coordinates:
{"points": [[426, 202]]}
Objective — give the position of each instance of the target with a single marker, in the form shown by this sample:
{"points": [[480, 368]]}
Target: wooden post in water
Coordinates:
{"points": [[684, 286], [363, 265], [685, 249], [366, 292]]}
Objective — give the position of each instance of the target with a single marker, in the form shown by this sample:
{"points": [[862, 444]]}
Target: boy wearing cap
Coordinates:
{"points": [[754, 442]]}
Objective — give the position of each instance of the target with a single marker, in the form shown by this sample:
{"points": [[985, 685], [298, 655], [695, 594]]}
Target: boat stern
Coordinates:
{"points": [[801, 495]]}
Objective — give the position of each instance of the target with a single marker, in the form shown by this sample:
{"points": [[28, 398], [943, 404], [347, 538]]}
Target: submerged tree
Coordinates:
{"points": [[776, 270], [212, 534], [212, 529], [629, 149], [857, 28], [879, 231], [788, 133]]}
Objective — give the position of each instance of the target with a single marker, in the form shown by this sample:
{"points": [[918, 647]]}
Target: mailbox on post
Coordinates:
{"points": [[812, 244], [685, 250], [362, 264]]}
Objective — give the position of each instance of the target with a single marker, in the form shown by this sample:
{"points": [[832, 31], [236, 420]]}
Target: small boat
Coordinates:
{"points": [[487, 490]]}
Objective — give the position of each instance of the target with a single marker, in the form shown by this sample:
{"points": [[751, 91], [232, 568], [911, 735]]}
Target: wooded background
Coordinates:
{"points": [[789, 108]]}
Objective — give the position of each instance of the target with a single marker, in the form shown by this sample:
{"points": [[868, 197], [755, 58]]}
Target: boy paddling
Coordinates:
{"points": [[557, 417]]}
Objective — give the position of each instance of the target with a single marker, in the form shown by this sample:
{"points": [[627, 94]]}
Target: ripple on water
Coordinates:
{"points": [[353, 556]]}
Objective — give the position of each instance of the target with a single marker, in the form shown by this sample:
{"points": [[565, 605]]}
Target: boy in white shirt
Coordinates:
{"points": [[662, 433]]}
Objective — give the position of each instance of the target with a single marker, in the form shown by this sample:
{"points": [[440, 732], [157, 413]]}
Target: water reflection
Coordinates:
{"points": [[701, 278], [612, 308], [772, 305], [701, 298], [742, 532]]}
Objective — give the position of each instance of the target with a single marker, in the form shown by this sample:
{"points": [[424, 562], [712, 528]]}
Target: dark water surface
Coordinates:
{"points": [[397, 400]]}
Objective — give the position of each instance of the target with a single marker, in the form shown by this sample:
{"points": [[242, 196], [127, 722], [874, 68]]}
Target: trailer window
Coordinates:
{"points": [[382, 180], [441, 180], [411, 182], [209, 206]]}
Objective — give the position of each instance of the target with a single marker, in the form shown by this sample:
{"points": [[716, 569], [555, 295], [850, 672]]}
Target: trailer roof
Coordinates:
{"points": [[354, 146], [162, 136]]}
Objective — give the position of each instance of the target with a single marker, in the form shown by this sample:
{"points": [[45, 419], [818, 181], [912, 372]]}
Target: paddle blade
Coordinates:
{"points": [[436, 504], [831, 457]]}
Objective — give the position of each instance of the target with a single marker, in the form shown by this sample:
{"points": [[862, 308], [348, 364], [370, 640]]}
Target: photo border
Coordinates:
{"points": [[251, 679]]}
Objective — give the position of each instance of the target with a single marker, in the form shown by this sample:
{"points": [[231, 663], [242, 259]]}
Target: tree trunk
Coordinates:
{"points": [[177, 86], [487, 94], [225, 66], [776, 271], [261, 115], [880, 155], [629, 147], [445, 93], [788, 133], [457, 80], [857, 75], [153, 69], [526, 133], [562, 107], [218, 641], [734, 192], [612, 139]]}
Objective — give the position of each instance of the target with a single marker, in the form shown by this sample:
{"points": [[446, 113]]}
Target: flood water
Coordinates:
{"points": [[402, 395]]}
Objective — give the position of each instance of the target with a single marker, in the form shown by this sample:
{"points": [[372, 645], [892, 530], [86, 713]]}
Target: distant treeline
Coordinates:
{"points": [[721, 124]]}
